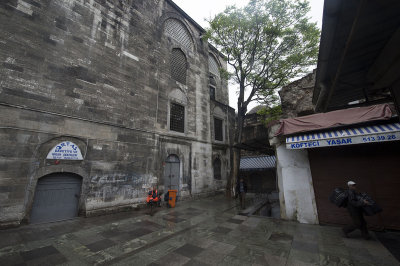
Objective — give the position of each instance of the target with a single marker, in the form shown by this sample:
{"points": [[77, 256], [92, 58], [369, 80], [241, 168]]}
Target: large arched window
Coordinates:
{"points": [[178, 65], [217, 169], [176, 30], [213, 66]]}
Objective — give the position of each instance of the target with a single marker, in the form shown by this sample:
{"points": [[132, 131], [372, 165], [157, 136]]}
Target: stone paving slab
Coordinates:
{"points": [[201, 232]]}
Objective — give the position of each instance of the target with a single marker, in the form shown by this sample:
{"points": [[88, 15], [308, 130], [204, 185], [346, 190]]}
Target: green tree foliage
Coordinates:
{"points": [[270, 114], [267, 44]]}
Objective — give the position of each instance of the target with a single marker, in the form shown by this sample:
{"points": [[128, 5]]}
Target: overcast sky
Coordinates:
{"points": [[205, 9]]}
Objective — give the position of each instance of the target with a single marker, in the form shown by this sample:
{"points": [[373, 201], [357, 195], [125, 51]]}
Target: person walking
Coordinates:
{"points": [[354, 206], [241, 189]]}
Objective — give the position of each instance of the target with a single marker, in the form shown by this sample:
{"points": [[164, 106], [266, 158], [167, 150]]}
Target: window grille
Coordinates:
{"points": [[217, 169], [177, 118], [178, 66], [218, 129], [212, 92], [213, 66], [178, 32]]}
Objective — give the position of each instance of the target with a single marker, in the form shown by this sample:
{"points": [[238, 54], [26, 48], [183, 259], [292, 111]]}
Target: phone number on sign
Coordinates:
{"points": [[379, 138]]}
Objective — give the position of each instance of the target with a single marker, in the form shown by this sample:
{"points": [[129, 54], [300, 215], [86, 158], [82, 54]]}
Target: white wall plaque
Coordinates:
{"points": [[65, 150]]}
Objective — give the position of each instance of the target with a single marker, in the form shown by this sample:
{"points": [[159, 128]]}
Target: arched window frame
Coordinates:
{"points": [[212, 86], [179, 32], [213, 66], [214, 76]]}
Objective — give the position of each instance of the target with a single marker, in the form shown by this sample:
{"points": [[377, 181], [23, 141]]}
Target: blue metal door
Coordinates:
{"points": [[172, 173], [56, 198]]}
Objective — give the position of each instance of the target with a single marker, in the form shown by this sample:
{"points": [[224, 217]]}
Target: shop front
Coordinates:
{"points": [[320, 152], [366, 155]]}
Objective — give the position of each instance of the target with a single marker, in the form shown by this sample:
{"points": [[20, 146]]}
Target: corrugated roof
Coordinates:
{"points": [[257, 163]]}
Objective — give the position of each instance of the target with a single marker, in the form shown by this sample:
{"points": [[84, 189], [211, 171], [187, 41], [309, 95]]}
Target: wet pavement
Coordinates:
{"points": [[200, 232], [391, 240]]}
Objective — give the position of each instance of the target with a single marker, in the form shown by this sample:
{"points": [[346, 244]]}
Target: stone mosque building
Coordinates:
{"points": [[99, 101]]}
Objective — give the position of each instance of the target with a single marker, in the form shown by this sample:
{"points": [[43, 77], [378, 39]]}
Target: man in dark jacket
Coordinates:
{"points": [[241, 190], [354, 206]]}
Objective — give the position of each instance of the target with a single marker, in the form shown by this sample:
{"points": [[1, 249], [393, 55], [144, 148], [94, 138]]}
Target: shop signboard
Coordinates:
{"points": [[345, 137]]}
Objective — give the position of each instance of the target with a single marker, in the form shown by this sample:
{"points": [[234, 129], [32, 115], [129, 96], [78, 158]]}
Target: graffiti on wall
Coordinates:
{"points": [[120, 186]]}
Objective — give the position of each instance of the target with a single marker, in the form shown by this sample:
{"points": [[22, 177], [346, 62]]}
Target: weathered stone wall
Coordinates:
{"points": [[219, 150], [97, 73], [296, 98]]}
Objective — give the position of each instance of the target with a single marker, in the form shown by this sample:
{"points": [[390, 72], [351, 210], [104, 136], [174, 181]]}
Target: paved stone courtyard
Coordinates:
{"points": [[200, 232]]}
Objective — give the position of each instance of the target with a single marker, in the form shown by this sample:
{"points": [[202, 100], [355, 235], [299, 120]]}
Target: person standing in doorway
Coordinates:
{"points": [[354, 206], [241, 189]]}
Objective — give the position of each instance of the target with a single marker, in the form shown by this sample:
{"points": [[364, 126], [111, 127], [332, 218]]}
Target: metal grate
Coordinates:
{"points": [[177, 118], [178, 66], [178, 32], [213, 66], [218, 129], [217, 169]]}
